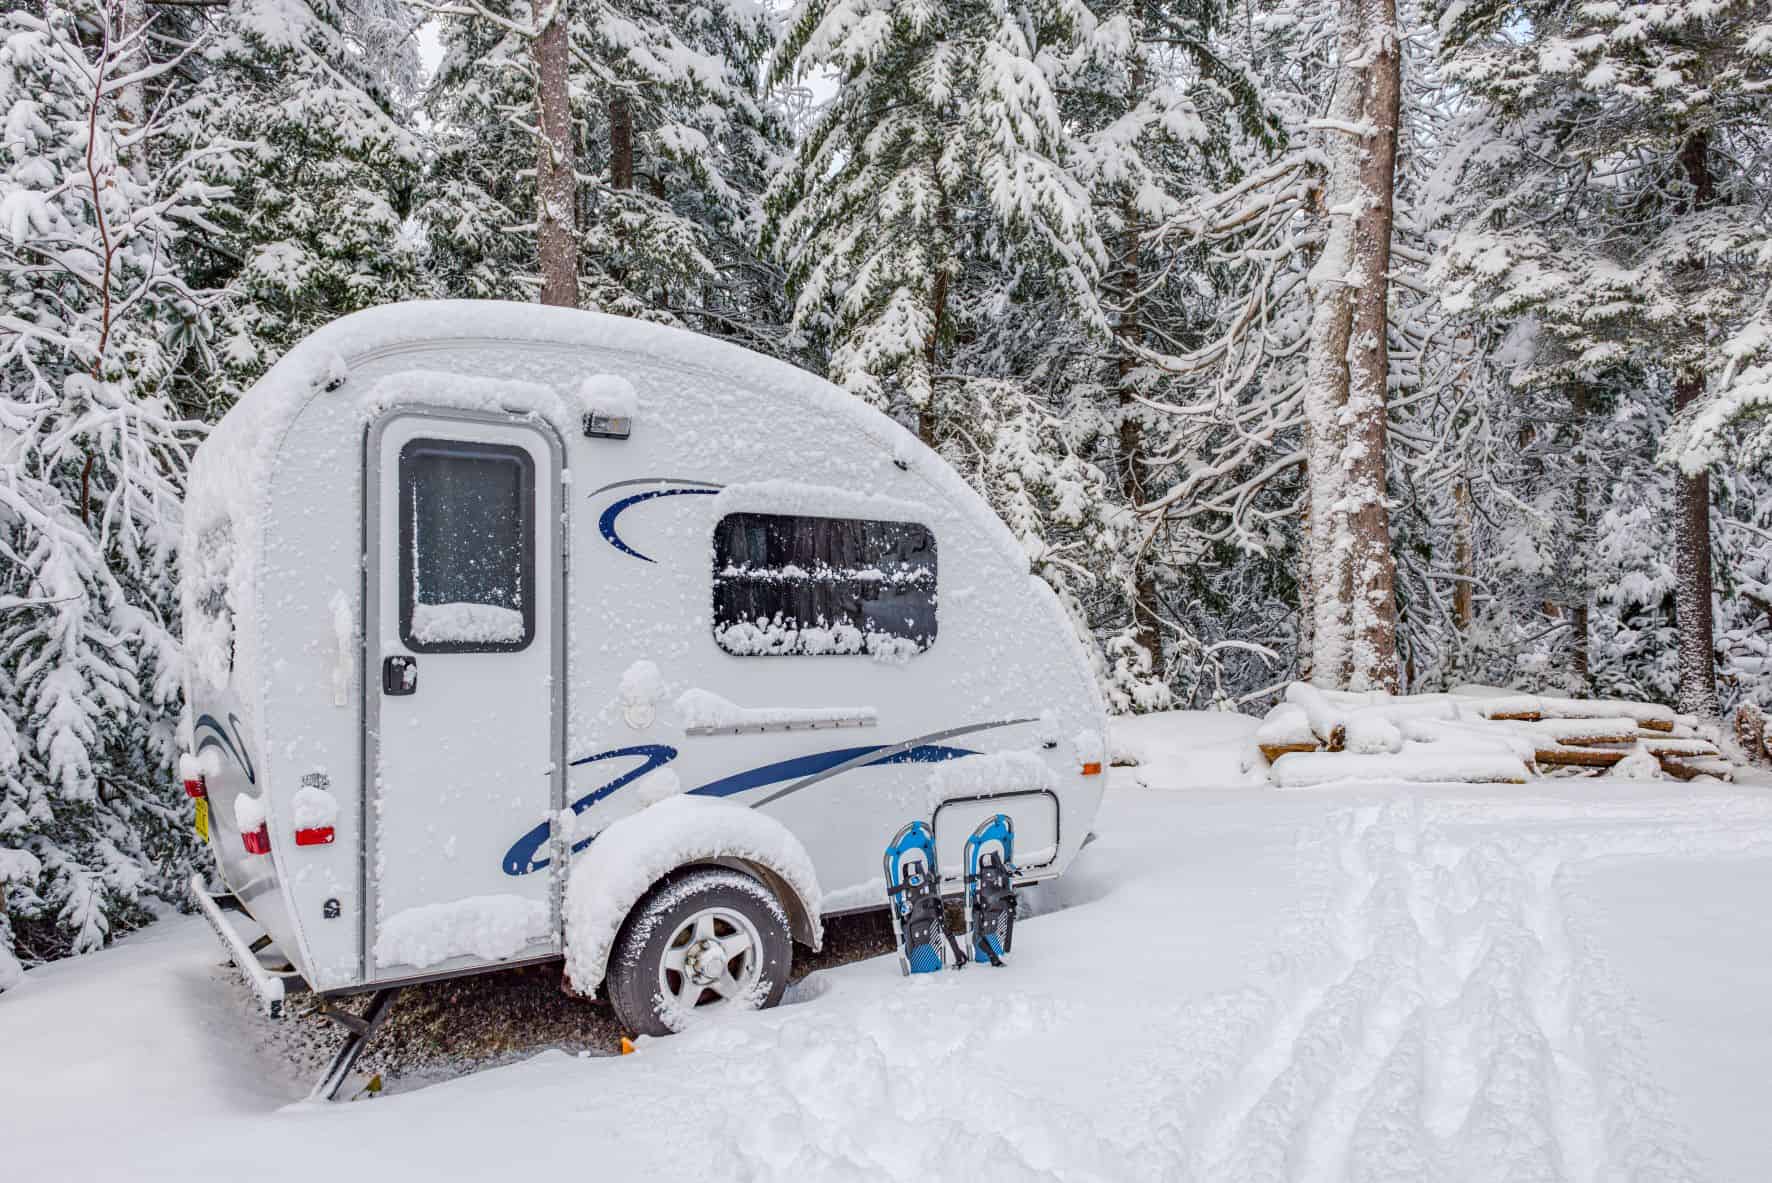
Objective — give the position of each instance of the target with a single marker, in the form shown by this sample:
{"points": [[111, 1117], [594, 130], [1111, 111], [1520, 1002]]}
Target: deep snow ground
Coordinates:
{"points": [[1565, 980]]}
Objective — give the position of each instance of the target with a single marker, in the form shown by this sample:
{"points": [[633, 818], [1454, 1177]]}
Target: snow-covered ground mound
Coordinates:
{"points": [[1557, 981]]}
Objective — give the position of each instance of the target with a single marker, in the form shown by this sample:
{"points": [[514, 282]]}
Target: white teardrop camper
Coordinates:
{"points": [[475, 592]]}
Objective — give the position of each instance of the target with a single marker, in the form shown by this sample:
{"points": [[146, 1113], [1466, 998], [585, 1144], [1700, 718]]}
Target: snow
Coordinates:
{"points": [[637, 851], [344, 641], [610, 396], [641, 683], [794, 498], [491, 927], [1179, 750], [313, 808], [1563, 980], [1419, 763], [249, 812], [465, 624], [997, 772], [1286, 725]]}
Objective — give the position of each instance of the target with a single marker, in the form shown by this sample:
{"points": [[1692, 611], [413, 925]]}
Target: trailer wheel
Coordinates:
{"points": [[704, 940]]}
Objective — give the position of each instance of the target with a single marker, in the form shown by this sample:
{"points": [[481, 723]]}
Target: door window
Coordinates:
{"points": [[467, 547]]}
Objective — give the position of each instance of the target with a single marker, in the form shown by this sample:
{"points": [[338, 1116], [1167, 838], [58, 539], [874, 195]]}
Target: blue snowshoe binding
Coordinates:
{"points": [[913, 895], [990, 889]]}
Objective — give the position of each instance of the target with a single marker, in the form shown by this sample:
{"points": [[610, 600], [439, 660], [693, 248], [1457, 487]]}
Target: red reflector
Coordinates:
{"points": [[316, 836], [257, 841], [1092, 769], [196, 788]]}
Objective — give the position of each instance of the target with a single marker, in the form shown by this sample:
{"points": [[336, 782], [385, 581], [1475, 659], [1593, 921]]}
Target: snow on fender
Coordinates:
{"points": [[636, 852]]}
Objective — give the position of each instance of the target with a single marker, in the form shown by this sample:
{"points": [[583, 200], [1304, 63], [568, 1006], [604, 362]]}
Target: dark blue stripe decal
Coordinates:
{"points": [[606, 523], [221, 740], [799, 766], [525, 855], [521, 858]]}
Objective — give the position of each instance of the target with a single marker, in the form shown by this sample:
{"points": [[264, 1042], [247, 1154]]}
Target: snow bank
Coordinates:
{"points": [[705, 709], [491, 927], [1185, 750], [632, 854]]}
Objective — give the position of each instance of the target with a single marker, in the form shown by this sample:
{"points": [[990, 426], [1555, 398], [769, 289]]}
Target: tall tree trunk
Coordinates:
{"points": [[1463, 557], [1693, 590], [1307, 602], [938, 310], [1353, 571], [621, 142], [1146, 633], [1578, 564], [556, 188]]}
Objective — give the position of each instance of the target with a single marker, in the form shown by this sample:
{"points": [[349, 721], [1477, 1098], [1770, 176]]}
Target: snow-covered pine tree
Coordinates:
{"points": [[684, 145], [101, 171], [1618, 173], [1154, 115], [673, 143], [942, 148], [317, 92], [476, 210], [950, 258]]}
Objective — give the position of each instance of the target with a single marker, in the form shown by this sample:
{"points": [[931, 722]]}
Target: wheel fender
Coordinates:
{"points": [[633, 854]]}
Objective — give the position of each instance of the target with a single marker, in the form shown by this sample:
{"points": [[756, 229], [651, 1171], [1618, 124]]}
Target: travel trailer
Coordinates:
{"points": [[519, 634]]}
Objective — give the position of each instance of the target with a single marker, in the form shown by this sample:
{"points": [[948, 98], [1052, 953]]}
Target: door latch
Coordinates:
{"points": [[399, 674]]}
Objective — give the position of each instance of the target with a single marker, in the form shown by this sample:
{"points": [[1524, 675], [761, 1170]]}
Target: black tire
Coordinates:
{"points": [[648, 995]]}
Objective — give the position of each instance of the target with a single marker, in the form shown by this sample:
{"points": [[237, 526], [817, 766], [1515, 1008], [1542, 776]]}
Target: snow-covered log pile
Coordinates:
{"points": [[1476, 735]]}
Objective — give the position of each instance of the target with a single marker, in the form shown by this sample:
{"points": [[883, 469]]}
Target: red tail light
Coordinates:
{"points": [[195, 787], [257, 841], [314, 836]]}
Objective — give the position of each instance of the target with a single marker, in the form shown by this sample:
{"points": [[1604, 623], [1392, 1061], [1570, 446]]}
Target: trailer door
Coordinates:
{"points": [[465, 688]]}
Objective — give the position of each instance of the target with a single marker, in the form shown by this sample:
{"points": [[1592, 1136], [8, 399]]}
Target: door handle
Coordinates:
{"points": [[399, 674]]}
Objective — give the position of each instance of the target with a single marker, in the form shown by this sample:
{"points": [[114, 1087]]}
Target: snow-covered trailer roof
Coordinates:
{"points": [[230, 482]]}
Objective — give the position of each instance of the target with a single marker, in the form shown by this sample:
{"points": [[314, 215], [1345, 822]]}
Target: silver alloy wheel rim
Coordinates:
{"points": [[713, 958]]}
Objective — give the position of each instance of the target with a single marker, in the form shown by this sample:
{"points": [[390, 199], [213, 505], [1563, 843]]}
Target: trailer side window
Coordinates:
{"points": [[804, 585], [467, 547]]}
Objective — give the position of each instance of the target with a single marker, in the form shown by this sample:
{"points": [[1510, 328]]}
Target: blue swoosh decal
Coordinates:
{"points": [[606, 523], [221, 740], [525, 856], [521, 858]]}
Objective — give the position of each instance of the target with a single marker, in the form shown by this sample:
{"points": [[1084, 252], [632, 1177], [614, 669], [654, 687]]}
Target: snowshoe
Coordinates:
{"points": [[913, 894], [990, 890]]}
